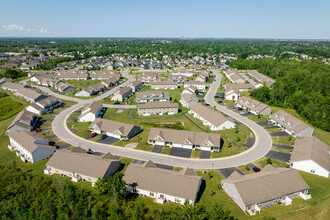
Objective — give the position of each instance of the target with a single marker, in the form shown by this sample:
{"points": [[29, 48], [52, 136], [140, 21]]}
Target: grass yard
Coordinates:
{"points": [[166, 150], [285, 140], [195, 154], [262, 162], [245, 170], [82, 128]]}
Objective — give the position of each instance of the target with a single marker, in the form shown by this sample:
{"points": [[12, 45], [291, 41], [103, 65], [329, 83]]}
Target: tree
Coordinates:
{"points": [[269, 161], [238, 139]]}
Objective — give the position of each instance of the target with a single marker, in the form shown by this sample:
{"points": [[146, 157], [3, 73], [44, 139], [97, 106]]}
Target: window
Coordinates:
{"points": [[312, 171], [151, 194], [89, 178], [177, 200]]}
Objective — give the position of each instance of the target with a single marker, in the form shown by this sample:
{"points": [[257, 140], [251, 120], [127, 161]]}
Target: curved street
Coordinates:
{"points": [[261, 146]]}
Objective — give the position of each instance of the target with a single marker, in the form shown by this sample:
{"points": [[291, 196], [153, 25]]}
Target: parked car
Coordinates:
{"points": [[256, 169], [89, 151], [93, 135], [37, 129], [220, 102], [207, 104], [216, 96], [242, 113], [103, 137]]}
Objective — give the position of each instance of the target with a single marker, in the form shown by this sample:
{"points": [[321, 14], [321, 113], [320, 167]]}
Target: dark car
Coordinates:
{"points": [[89, 151], [207, 104], [37, 129], [103, 137], [93, 135], [220, 102], [256, 169]]}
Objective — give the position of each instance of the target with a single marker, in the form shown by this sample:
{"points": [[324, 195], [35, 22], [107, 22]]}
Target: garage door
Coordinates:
{"points": [[114, 135], [177, 145], [160, 143], [206, 148], [187, 146]]}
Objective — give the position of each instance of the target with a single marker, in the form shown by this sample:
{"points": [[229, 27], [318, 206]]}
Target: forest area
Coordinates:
{"points": [[300, 85]]}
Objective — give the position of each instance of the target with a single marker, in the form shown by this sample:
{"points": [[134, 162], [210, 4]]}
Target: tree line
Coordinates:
{"points": [[300, 85]]}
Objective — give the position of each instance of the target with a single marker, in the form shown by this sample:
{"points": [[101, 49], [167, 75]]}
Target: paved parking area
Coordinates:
{"points": [[262, 123], [65, 146], [180, 152], [250, 141], [46, 129], [157, 149], [278, 156], [108, 140], [226, 172], [51, 136], [277, 134], [138, 162], [271, 127], [283, 146], [72, 119], [87, 137], [251, 165], [163, 166], [205, 154]]}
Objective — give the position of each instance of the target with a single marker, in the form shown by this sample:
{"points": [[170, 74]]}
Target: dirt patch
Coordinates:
{"points": [[132, 145]]}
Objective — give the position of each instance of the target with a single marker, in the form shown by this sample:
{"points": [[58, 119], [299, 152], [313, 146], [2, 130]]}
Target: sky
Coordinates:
{"points": [[280, 19]]}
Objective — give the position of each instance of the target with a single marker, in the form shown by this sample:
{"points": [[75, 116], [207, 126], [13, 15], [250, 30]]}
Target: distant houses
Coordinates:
{"points": [[198, 85], [270, 186], [24, 121], [136, 86], [148, 77], [184, 139], [291, 125], [234, 77], [311, 155], [264, 80], [187, 73], [164, 85], [30, 146], [233, 90], [158, 108], [211, 118], [82, 166], [164, 185]]}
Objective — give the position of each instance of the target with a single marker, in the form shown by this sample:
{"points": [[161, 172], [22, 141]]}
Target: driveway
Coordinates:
{"points": [[279, 134], [108, 140], [163, 166], [180, 152], [157, 149], [205, 154], [250, 142], [278, 156], [226, 172], [283, 146]]}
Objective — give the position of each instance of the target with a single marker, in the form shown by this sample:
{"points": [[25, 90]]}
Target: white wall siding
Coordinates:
{"points": [[309, 166]]}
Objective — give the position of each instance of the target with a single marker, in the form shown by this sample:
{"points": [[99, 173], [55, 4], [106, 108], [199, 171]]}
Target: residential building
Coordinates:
{"points": [[73, 76], [136, 85], [190, 90], [177, 78], [291, 125], [270, 186], [152, 96], [91, 111], [233, 90], [114, 129], [189, 100], [10, 86], [82, 166], [212, 118], [184, 139], [164, 85], [198, 85], [30, 146], [311, 155], [203, 76], [187, 73], [158, 108], [101, 75], [85, 92], [24, 121], [254, 106], [234, 77], [29, 94], [122, 94], [148, 77], [261, 78], [163, 185], [64, 87]]}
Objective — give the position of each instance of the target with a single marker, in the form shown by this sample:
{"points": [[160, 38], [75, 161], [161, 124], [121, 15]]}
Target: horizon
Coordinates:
{"points": [[294, 20]]}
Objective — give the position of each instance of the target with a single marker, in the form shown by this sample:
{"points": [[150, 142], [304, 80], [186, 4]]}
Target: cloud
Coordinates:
{"points": [[17, 28]]}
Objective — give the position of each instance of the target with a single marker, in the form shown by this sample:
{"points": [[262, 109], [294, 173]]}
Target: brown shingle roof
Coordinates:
{"points": [[30, 140], [311, 148], [82, 163], [268, 184], [111, 126], [158, 105], [163, 181]]}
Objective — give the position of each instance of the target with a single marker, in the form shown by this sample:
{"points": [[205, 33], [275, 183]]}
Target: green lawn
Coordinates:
{"points": [[195, 154], [262, 162], [286, 140], [79, 84], [166, 150], [82, 128]]}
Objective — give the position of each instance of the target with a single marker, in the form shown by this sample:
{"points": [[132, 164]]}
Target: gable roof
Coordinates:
{"points": [[270, 183], [311, 148], [210, 115], [111, 126], [82, 163], [30, 140], [152, 105], [164, 181]]}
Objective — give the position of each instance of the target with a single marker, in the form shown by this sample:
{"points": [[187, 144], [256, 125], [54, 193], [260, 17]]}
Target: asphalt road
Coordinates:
{"points": [[262, 144]]}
